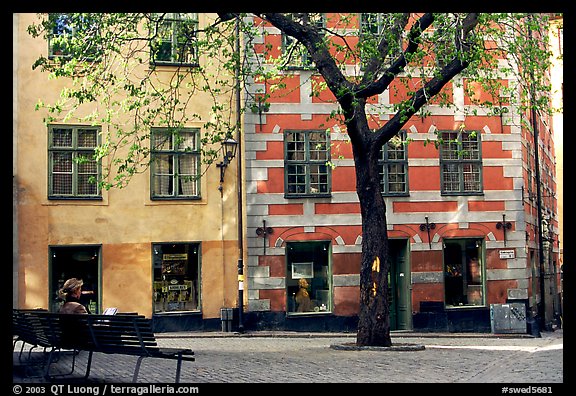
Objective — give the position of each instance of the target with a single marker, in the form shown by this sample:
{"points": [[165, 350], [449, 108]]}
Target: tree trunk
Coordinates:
{"points": [[374, 318]]}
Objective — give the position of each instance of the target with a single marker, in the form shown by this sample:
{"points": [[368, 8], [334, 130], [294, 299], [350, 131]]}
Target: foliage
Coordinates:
{"points": [[119, 81], [107, 58]]}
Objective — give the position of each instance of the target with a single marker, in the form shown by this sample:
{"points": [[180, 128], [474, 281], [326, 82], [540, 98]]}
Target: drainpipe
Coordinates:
{"points": [[541, 307], [239, 184]]}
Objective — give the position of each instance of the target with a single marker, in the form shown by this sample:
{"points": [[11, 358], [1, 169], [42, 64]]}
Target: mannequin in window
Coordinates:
{"points": [[474, 287], [474, 273], [303, 303]]}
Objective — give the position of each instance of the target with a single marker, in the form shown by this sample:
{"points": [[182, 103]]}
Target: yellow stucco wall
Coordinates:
{"points": [[125, 223]]}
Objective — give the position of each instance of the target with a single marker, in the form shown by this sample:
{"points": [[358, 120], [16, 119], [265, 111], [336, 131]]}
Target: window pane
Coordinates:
{"points": [[318, 147], [187, 165], [471, 175], [185, 50], [85, 186], [62, 162], [296, 178], [87, 165], [295, 147], [369, 24], [396, 178], [450, 178], [87, 138], [187, 141], [176, 39], [470, 147], [187, 186], [161, 140], [395, 149], [449, 146], [58, 41], [62, 184], [163, 50], [318, 179], [61, 137], [162, 185], [164, 164], [164, 175], [298, 54], [87, 171], [383, 177], [187, 178]]}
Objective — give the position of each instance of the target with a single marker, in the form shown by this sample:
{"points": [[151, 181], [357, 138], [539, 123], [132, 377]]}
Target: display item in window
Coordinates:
{"points": [[303, 302]]}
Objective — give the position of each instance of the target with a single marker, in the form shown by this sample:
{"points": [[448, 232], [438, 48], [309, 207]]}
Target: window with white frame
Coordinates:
{"points": [[460, 162], [307, 172], [73, 170], [175, 163], [175, 39], [393, 164]]}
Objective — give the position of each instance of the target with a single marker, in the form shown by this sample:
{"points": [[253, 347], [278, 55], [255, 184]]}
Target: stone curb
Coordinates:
{"points": [[287, 334], [399, 347]]}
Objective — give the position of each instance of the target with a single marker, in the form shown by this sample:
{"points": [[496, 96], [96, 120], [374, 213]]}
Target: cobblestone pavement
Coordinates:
{"points": [[309, 358]]}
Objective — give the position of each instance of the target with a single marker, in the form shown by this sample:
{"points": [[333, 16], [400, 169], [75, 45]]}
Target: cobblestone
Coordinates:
{"points": [[308, 358]]}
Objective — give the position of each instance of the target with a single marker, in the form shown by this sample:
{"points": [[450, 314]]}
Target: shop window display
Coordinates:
{"points": [[308, 277], [176, 277], [463, 273]]}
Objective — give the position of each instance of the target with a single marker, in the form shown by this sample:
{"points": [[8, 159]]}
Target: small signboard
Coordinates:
{"points": [[507, 254]]}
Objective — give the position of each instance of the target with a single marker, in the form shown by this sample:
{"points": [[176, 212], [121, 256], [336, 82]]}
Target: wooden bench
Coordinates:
{"points": [[26, 329], [127, 334]]}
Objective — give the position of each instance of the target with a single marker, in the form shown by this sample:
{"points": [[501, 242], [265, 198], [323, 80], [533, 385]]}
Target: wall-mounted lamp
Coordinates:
{"points": [[264, 231], [428, 226], [504, 225], [229, 147]]}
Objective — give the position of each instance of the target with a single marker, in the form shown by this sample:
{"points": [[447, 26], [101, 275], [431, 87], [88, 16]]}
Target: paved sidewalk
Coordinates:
{"points": [[291, 357]]}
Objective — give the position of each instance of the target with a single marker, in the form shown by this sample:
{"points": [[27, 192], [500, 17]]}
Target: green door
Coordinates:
{"points": [[392, 300], [399, 291]]}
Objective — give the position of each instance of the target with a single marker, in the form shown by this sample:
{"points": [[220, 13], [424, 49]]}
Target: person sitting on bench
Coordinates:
{"points": [[70, 293]]}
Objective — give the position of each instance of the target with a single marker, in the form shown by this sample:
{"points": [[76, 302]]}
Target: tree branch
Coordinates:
{"points": [[384, 81], [319, 53]]}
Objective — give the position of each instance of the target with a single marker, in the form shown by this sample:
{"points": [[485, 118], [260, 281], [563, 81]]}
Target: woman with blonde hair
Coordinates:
{"points": [[70, 293]]}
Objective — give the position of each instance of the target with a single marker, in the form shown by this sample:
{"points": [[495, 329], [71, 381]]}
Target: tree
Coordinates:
{"points": [[421, 52]]}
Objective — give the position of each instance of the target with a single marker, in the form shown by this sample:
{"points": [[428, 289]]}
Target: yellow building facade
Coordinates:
{"points": [[171, 259]]}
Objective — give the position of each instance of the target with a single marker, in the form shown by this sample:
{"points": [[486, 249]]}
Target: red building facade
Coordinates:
{"points": [[463, 227]]}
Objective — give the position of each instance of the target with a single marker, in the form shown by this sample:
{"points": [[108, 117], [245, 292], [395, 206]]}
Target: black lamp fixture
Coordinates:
{"points": [[229, 147], [428, 226], [263, 232], [504, 225]]}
